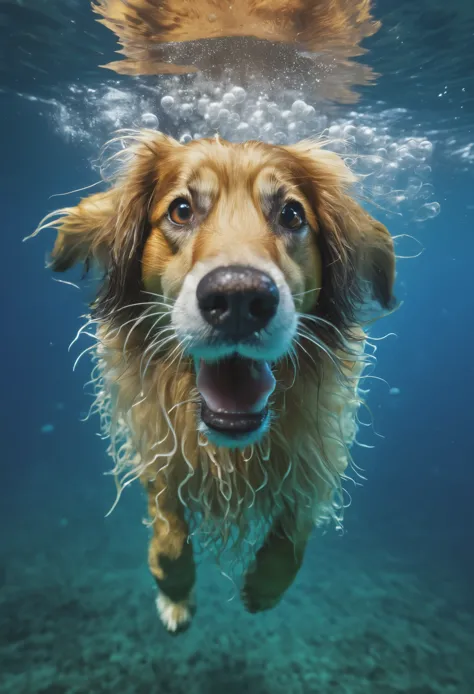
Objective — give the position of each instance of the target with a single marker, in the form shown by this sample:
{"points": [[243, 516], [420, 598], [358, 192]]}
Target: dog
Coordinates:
{"points": [[229, 344]]}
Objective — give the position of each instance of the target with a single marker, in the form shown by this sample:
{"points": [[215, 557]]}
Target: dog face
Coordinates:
{"points": [[231, 245], [235, 244]]}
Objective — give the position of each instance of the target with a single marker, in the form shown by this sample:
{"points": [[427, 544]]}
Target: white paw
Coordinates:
{"points": [[176, 616]]}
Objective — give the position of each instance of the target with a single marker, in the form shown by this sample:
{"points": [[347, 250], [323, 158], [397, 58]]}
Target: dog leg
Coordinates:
{"points": [[171, 562], [275, 568]]}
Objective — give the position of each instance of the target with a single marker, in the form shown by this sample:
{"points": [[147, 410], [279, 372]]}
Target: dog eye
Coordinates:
{"points": [[292, 216], [180, 211]]}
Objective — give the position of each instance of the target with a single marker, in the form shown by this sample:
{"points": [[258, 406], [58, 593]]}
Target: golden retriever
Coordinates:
{"points": [[229, 346]]}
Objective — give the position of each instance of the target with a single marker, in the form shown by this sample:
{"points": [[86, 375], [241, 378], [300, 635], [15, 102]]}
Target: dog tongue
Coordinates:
{"points": [[235, 384]]}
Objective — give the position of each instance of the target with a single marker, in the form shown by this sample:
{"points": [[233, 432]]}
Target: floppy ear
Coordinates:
{"points": [[358, 261], [375, 260], [357, 251], [83, 232], [108, 227]]}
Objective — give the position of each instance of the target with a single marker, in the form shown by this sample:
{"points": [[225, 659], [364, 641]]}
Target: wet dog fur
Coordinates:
{"points": [[287, 476]]}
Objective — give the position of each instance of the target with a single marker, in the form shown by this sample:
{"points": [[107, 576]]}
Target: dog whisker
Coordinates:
{"points": [[154, 348], [158, 316], [85, 351], [318, 320], [195, 401], [137, 322]]}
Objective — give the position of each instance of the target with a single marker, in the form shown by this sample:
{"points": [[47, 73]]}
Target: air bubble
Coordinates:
{"points": [[371, 163], [149, 120], [334, 131], [242, 132], [258, 117], [298, 108], [426, 192], [267, 130], [297, 131], [413, 188], [403, 151], [167, 103], [274, 110], [338, 146], [426, 147], [203, 105], [185, 138], [186, 110], [224, 115], [234, 120], [239, 93], [349, 131], [406, 161], [394, 199], [213, 111], [364, 135], [391, 167], [229, 100], [428, 211], [392, 150]]}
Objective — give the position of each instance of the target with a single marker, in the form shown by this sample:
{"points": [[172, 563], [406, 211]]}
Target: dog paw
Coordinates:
{"points": [[255, 600], [175, 616]]}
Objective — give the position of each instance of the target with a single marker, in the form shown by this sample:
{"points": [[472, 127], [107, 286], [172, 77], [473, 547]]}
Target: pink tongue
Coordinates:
{"points": [[235, 384]]}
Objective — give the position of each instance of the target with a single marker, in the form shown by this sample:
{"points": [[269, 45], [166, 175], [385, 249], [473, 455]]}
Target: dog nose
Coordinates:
{"points": [[237, 300]]}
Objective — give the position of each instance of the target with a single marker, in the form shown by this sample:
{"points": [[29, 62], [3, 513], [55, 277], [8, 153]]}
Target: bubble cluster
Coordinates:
{"points": [[393, 170]]}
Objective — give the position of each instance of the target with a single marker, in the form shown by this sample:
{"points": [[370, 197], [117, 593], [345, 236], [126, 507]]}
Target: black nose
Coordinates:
{"points": [[237, 300]]}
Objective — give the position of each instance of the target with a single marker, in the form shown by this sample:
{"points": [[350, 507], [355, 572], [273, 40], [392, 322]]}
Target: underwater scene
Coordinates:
{"points": [[238, 301]]}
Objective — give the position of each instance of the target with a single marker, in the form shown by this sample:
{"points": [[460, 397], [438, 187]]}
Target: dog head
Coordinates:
{"points": [[220, 251]]}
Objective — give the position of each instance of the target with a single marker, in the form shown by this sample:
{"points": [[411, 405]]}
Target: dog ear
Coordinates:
{"points": [[357, 249], [82, 232], [375, 260], [107, 227]]}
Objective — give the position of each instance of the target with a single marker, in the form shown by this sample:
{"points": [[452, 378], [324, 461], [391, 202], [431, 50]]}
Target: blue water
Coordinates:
{"points": [[386, 608]]}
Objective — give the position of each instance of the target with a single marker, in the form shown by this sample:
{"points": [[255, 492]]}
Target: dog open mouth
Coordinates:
{"points": [[235, 392]]}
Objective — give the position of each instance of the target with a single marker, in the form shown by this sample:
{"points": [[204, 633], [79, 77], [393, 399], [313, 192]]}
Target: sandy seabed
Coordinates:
{"points": [[365, 616]]}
